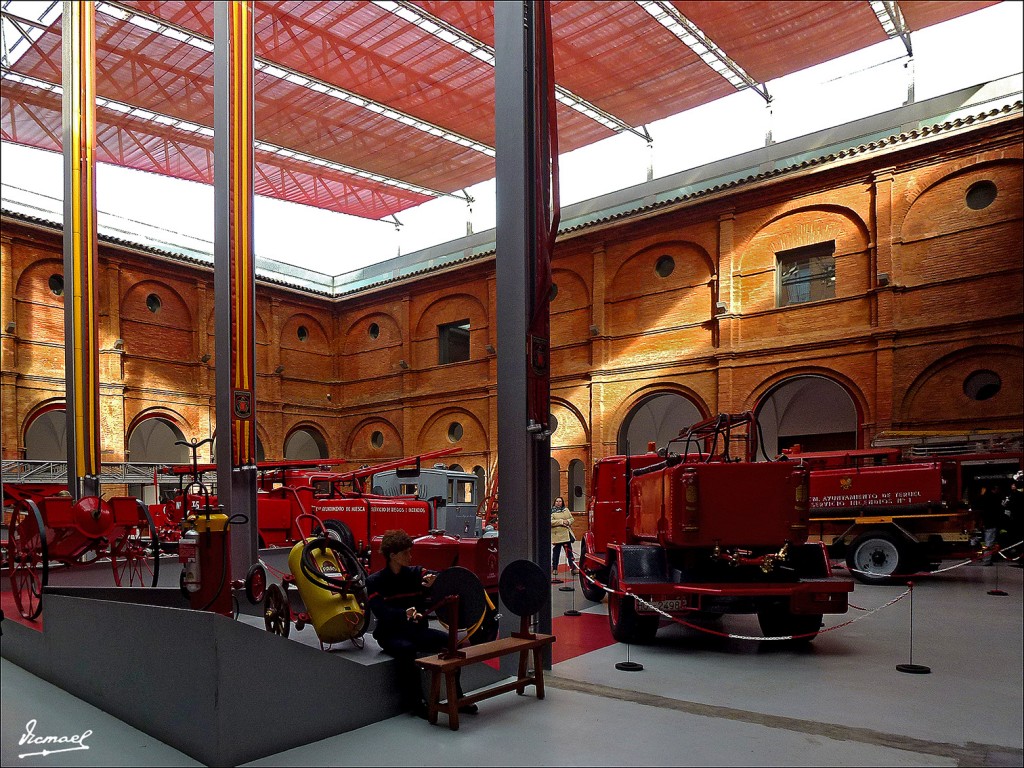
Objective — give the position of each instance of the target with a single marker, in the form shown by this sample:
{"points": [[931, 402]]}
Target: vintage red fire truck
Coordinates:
{"points": [[697, 533], [890, 517], [288, 489]]}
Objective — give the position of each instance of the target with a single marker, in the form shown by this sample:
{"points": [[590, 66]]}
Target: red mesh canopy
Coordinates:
{"points": [[613, 55]]}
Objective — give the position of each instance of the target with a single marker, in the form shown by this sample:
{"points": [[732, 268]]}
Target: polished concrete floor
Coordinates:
{"points": [[699, 700]]}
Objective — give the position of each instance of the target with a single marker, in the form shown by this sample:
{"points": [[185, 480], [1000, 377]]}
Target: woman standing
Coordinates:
{"points": [[561, 536]]}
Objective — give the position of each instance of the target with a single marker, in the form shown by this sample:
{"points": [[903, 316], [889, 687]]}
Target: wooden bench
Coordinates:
{"points": [[449, 665]]}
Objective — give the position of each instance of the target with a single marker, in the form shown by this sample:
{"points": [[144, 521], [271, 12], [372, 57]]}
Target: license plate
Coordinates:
{"points": [[675, 604]]}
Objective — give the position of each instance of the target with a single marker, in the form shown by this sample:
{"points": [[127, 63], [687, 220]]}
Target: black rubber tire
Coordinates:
{"points": [[626, 624], [591, 591], [340, 532], [780, 623], [877, 557], [256, 584]]}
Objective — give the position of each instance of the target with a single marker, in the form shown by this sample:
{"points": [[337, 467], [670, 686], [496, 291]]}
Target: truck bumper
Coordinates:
{"points": [[806, 597]]}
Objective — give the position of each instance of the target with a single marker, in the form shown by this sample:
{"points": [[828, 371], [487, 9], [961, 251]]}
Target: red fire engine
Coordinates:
{"points": [[889, 516], [699, 533]]}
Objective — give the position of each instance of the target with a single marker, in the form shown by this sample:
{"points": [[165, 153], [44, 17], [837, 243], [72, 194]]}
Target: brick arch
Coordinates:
{"points": [[573, 289], [178, 425], [1005, 172], [574, 433], [937, 391], [570, 310], [635, 276], [755, 261], [174, 308], [759, 397], [310, 359], [616, 420], [449, 308], [363, 358], [319, 437], [356, 337], [358, 446], [434, 433], [939, 229], [160, 412], [640, 300], [49, 405]]}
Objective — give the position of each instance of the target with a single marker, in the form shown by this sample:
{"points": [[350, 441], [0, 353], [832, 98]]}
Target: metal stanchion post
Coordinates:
{"points": [[912, 668]]}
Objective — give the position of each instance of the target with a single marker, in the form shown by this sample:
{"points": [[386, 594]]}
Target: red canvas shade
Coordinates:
{"points": [[613, 54]]}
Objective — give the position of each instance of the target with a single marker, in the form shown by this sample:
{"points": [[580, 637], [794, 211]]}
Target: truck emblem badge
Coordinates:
{"points": [[846, 483]]}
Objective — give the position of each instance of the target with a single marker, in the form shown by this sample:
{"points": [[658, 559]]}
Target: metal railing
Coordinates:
{"points": [[26, 471]]}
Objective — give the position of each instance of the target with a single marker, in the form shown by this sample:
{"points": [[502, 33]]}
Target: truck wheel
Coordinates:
{"points": [[338, 531], [626, 624], [876, 557], [779, 623], [591, 591]]}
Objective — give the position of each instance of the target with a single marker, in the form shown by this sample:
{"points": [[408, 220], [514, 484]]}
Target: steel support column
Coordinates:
{"points": [[235, 276], [81, 265], [526, 164]]}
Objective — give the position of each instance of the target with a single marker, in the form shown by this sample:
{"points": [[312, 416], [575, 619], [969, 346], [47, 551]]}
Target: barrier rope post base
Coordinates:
{"points": [[627, 665], [572, 611], [997, 591], [912, 668]]}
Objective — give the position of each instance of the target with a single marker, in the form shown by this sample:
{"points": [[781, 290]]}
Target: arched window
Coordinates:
{"points": [[577, 491]]}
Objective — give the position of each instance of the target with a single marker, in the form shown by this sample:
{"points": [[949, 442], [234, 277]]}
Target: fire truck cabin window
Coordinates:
{"points": [[460, 491], [453, 342], [806, 274], [408, 489]]}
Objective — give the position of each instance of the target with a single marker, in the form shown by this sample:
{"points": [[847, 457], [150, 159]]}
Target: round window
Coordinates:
{"points": [[665, 266], [153, 303], [552, 423], [374, 330], [56, 283], [455, 432], [982, 385], [553, 292], [980, 195], [302, 333], [377, 439]]}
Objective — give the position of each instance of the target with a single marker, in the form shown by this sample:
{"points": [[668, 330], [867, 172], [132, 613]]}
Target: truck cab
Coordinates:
{"points": [[455, 494]]}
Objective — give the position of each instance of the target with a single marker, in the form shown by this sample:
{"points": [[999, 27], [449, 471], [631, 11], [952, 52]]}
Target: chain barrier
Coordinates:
{"points": [[684, 623]]}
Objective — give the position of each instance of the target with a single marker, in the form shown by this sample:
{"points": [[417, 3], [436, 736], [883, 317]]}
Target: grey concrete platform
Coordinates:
{"points": [[700, 700]]}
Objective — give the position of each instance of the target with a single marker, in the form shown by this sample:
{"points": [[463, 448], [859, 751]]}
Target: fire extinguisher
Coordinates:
{"points": [[206, 563]]}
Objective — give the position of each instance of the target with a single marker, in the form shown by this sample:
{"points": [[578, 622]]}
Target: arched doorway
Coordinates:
{"points": [[814, 412], [152, 441], [577, 491], [657, 419], [46, 438], [305, 443]]}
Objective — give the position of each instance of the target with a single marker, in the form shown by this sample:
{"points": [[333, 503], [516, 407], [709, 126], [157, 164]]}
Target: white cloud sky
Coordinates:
{"points": [[982, 46]]}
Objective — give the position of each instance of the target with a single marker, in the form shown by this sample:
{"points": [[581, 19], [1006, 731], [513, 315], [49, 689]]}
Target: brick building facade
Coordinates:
{"points": [[891, 273]]}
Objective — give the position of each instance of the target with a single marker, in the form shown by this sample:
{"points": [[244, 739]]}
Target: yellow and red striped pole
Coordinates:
{"points": [[81, 335]]}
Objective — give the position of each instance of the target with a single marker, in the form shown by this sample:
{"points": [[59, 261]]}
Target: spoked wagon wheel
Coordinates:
{"points": [[276, 611], [131, 550], [26, 554]]}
